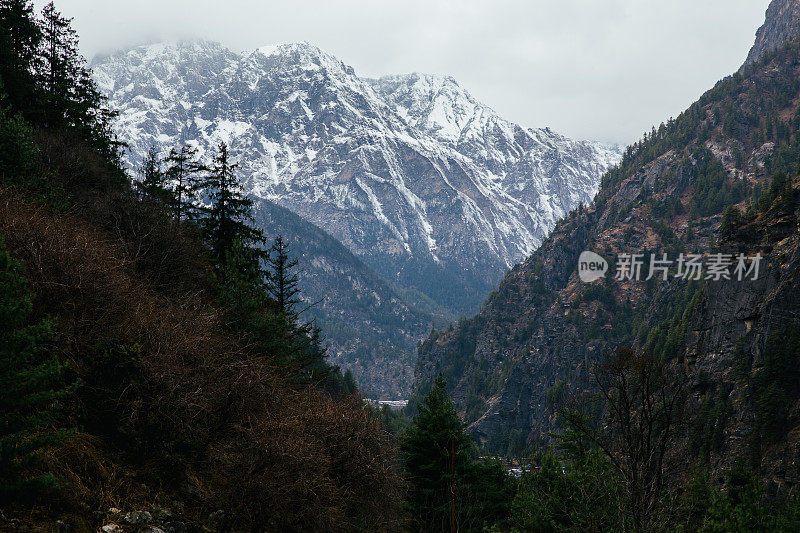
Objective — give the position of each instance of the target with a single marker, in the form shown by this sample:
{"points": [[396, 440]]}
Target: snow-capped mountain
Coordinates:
{"points": [[426, 185], [535, 166]]}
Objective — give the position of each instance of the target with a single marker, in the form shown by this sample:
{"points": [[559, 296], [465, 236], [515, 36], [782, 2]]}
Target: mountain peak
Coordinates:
{"points": [[409, 172], [302, 55], [302, 48], [437, 104], [781, 25], [159, 48]]}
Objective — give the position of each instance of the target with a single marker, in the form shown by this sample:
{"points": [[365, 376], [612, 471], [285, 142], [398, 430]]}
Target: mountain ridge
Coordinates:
{"points": [[370, 327], [313, 155], [440, 216], [709, 182]]}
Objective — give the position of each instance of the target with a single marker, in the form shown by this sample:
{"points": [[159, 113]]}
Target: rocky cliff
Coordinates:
{"points": [[782, 24], [528, 351]]}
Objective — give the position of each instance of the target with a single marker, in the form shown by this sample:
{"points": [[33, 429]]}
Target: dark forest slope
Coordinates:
{"points": [[143, 363]]}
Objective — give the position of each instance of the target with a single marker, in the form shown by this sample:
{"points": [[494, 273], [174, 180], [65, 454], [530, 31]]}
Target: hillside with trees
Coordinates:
{"points": [[154, 366], [158, 372], [721, 178]]}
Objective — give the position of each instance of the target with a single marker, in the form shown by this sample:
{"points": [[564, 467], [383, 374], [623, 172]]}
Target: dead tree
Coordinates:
{"points": [[643, 409]]}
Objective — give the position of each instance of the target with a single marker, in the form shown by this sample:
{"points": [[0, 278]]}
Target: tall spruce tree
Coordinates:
{"points": [[20, 36], [436, 452], [229, 218], [153, 179], [282, 279], [70, 98], [184, 172], [29, 384], [306, 359], [448, 488], [61, 67], [18, 152]]}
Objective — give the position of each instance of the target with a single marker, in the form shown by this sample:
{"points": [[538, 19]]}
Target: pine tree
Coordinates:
{"points": [[19, 41], [28, 386], [153, 179], [732, 220], [350, 386], [445, 479], [229, 217], [436, 452], [282, 279], [183, 170], [242, 292], [70, 98], [61, 66], [18, 152], [90, 116], [306, 358]]}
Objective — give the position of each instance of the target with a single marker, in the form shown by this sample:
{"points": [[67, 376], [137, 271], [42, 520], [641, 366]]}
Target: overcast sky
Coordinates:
{"points": [[591, 69]]}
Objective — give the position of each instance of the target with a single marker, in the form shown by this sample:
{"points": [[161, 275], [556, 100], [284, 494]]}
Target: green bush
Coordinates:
{"points": [[585, 495], [29, 385]]}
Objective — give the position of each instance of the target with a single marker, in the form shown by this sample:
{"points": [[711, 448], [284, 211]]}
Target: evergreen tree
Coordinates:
{"points": [[306, 359], [20, 158], [438, 459], [229, 217], [350, 386], [248, 290], [432, 447], [58, 73], [183, 170], [581, 494], [305, 363], [282, 281], [242, 292], [19, 41], [61, 68], [299, 349], [732, 220], [28, 386], [18, 152], [70, 98], [153, 179]]}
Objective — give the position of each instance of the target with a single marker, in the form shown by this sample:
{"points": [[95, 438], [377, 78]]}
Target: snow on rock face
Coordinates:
{"points": [[427, 185]]}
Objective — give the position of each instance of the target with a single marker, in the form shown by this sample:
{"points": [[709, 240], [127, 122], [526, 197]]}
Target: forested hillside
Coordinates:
{"points": [[154, 369]]}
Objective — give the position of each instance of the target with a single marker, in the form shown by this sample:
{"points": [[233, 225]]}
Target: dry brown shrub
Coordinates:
{"points": [[317, 464], [78, 167], [196, 404], [98, 481], [169, 254]]}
